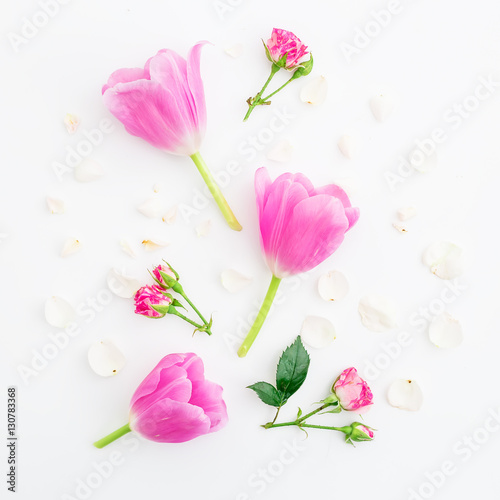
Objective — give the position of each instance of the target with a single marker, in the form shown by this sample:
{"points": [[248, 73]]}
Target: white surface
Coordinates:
{"points": [[430, 56]]}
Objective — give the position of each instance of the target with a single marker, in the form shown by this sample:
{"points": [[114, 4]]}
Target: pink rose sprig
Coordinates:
{"points": [[285, 51], [156, 301], [174, 403], [349, 392]]}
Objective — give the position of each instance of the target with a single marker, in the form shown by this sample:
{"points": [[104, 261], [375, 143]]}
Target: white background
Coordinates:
{"points": [[429, 57]]}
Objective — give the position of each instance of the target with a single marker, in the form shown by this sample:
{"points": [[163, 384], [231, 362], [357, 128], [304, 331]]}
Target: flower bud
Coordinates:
{"points": [[165, 276], [359, 433], [352, 391], [150, 301], [284, 49]]}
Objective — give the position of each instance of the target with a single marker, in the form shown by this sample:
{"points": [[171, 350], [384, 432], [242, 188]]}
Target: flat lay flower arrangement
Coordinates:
{"points": [[301, 224]]}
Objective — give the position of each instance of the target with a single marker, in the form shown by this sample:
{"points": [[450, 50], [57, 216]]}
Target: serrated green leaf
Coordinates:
{"points": [[292, 369], [267, 393]]}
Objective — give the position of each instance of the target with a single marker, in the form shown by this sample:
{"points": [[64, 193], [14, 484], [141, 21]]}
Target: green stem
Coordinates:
{"points": [[191, 322], [113, 436], [257, 99], [345, 429], [264, 99], [193, 306], [317, 410], [259, 321], [216, 192]]}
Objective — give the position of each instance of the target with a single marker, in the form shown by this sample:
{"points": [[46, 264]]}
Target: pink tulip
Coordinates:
{"points": [[284, 48], [300, 226], [164, 104], [352, 391], [149, 296], [174, 403]]}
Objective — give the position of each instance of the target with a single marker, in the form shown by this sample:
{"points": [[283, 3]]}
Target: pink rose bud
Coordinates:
{"points": [[352, 391], [359, 432], [175, 403], [284, 49], [165, 276], [151, 302]]}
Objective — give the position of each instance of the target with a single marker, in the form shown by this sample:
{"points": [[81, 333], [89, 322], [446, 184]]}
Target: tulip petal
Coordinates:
{"points": [[351, 213], [315, 230], [208, 396], [126, 75], [193, 365], [196, 85], [168, 421], [149, 111]]}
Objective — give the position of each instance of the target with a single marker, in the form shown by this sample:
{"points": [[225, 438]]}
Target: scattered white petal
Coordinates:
{"points": [[444, 259], [171, 215], [204, 228], [152, 208], [157, 187], [127, 248], [347, 146], [71, 122], [121, 284], [71, 246], [406, 213], [314, 92], [445, 331], [399, 227], [422, 162], [377, 313], [56, 206], [59, 312], [318, 332], [382, 105], [333, 286], [234, 50], [233, 281], [406, 395], [88, 170], [105, 358], [154, 244], [281, 152]]}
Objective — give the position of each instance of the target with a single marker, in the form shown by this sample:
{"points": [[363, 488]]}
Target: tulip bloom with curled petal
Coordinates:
{"points": [[352, 391], [174, 403], [164, 104], [300, 227]]}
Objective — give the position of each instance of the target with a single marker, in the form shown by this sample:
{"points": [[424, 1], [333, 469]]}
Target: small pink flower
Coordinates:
{"points": [[284, 43], [175, 403], [300, 225], [357, 433], [352, 391], [148, 296], [167, 271], [163, 103], [366, 430]]}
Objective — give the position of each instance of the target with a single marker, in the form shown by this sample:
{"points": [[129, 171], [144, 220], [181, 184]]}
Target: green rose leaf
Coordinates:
{"points": [[292, 369], [267, 393]]}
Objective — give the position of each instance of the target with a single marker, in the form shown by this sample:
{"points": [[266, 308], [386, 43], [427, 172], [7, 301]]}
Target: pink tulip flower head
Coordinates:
{"points": [[352, 391], [174, 403], [149, 296], [164, 104], [285, 49], [300, 227]]}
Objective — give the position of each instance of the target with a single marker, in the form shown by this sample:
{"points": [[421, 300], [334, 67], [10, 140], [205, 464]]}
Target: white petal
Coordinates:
{"points": [[154, 244], [405, 394], [281, 152], [315, 91], [204, 228], [444, 259], [382, 105], [399, 227], [233, 281], [71, 122], [377, 313], [105, 358], [88, 170], [445, 331], [56, 206], [422, 162], [171, 215], [157, 187], [347, 146], [121, 284], [234, 50], [59, 312], [71, 246], [406, 213], [318, 332], [333, 286], [127, 248], [152, 208]]}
